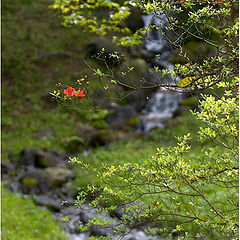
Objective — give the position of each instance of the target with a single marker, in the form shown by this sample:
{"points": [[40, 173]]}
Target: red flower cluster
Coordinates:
{"points": [[70, 91]]}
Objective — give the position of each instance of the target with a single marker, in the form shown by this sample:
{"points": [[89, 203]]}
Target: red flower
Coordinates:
{"points": [[80, 93], [181, 0], [70, 91], [218, 1]]}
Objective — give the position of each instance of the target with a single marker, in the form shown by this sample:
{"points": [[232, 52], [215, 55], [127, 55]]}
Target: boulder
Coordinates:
{"points": [[56, 176], [52, 204], [7, 168], [120, 117], [92, 137], [88, 213], [28, 157], [137, 99], [73, 214], [74, 144], [136, 234], [31, 157], [48, 159], [34, 182], [135, 21]]}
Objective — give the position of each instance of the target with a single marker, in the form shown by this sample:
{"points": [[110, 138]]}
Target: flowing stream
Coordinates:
{"points": [[163, 103]]}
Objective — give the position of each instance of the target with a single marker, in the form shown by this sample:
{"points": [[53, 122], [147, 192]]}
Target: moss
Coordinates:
{"points": [[134, 121], [29, 182]]}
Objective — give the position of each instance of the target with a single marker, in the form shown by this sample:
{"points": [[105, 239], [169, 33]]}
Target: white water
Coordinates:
{"points": [[163, 103]]}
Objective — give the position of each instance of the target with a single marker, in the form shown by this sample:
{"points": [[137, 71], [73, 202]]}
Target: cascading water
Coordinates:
{"points": [[163, 103]]}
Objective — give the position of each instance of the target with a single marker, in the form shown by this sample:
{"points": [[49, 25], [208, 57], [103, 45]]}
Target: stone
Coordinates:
{"points": [[48, 159], [89, 213], [34, 182], [31, 157], [28, 157], [50, 203], [56, 176], [120, 117], [74, 144], [137, 99], [135, 21], [73, 214], [7, 168]]}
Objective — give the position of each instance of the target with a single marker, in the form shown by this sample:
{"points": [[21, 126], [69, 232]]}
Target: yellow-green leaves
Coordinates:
{"points": [[186, 81]]}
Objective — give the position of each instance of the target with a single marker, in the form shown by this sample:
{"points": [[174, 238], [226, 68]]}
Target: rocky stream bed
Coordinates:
{"points": [[47, 177]]}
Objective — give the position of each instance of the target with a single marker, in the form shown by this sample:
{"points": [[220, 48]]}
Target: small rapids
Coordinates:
{"points": [[163, 103]]}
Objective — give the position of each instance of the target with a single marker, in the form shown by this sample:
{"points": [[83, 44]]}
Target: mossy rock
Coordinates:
{"points": [[74, 144], [58, 175], [134, 122], [29, 182]]}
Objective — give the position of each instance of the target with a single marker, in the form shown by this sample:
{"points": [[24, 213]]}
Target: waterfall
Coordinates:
{"points": [[163, 103]]}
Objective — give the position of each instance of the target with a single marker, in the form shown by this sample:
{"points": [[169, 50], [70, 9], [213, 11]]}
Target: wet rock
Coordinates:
{"points": [[28, 157], [56, 176], [73, 214], [137, 99], [74, 144], [48, 159], [135, 21], [31, 157], [34, 182], [89, 213], [120, 117], [52, 204], [91, 136], [7, 168], [80, 236]]}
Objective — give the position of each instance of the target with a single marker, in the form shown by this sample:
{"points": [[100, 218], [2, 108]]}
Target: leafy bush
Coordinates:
{"points": [[179, 195]]}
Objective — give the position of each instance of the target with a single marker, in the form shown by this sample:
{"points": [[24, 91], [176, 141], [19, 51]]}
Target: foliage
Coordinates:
{"points": [[180, 195], [183, 195], [21, 219]]}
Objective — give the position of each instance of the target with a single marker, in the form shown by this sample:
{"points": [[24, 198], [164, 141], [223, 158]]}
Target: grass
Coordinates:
{"points": [[138, 149], [22, 220], [31, 29]]}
